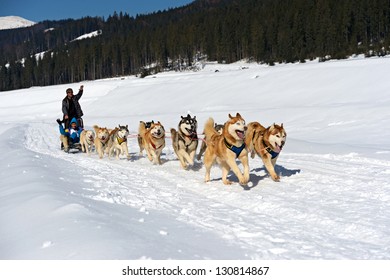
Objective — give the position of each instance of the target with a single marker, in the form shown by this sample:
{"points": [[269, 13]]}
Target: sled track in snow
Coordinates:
{"points": [[307, 215]]}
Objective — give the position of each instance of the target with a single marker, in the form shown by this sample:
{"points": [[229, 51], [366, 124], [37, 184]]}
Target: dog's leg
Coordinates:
{"points": [[192, 157], [182, 158], [149, 153], [126, 150], [159, 157], [270, 168], [118, 152], [225, 172], [245, 163], [202, 150], [186, 158], [154, 156], [233, 165], [100, 151], [208, 160]]}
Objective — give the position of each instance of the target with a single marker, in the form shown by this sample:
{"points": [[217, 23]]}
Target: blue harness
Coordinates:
{"points": [[234, 149], [270, 151]]}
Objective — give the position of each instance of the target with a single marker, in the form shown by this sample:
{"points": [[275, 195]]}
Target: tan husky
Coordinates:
{"points": [[218, 128], [267, 143], [152, 139], [101, 139], [225, 148], [87, 138]]}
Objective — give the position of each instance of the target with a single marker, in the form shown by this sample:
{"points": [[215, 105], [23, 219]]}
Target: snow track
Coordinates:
{"points": [[326, 206]]}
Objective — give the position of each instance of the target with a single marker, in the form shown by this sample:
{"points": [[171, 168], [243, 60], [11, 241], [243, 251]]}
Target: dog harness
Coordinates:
{"points": [[234, 149], [121, 140], [270, 151], [195, 137], [154, 146]]}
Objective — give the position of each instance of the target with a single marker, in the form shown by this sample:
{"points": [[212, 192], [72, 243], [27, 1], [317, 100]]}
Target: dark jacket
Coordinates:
{"points": [[75, 99]]}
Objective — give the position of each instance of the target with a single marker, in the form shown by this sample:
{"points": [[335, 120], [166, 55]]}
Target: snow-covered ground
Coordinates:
{"points": [[333, 200]]}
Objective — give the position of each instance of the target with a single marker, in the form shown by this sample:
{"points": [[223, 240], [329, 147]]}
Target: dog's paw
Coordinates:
{"points": [[244, 181], [276, 178], [227, 182]]}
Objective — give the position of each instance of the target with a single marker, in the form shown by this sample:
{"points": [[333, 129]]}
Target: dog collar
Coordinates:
{"points": [[121, 140], [270, 151], [234, 149]]}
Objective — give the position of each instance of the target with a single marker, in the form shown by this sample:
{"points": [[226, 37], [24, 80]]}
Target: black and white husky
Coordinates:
{"points": [[185, 140], [118, 141]]}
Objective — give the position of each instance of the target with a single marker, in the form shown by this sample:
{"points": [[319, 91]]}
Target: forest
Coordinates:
{"points": [[262, 31]]}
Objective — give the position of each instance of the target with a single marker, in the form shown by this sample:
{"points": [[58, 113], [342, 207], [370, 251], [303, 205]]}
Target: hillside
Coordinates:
{"points": [[225, 31]]}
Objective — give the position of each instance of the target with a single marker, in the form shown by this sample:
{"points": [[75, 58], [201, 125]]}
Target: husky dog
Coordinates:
{"points": [[87, 138], [140, 144], [218, 128], [267, 143], [185, 140], [101, 139], [152, 140], [118, 142], [225, 148]]}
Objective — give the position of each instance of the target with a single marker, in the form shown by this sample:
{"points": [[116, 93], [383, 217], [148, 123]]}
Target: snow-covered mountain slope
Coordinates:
{"points": [[332, 201], [11, 22]]}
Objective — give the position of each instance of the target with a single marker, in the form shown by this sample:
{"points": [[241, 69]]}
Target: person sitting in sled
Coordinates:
{"points": [[70, 137]]}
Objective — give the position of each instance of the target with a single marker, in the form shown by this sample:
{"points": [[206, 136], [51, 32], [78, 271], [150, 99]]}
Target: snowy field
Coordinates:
{"points": [[333, 200]]}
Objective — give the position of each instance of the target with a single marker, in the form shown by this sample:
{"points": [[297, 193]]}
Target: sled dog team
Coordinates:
{"points": [[222, 144]]}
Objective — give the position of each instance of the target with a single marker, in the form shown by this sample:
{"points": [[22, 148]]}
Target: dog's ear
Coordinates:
{"points": [[273, 126], [238, 116], [182, 117], [281, 125], [152, 121], [194, 117], [230, 116], [188, 116]]}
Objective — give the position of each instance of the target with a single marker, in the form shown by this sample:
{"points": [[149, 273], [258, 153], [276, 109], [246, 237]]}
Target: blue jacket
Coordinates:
{"points": [[73, 134]]}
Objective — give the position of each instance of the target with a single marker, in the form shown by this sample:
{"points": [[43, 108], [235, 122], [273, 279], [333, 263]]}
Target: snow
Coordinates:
{"points": [[332, 201], [89, 35], [11, 22]]}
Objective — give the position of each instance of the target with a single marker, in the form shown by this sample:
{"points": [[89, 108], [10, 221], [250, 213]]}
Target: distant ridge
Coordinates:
{"points": [[12, 22]]}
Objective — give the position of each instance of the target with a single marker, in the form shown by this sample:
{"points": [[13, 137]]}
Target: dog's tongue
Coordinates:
{"points": [[240, 134], [277, 148]]}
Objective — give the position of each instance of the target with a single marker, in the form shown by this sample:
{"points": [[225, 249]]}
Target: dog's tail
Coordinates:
{"points": [[142, 129], [209, 129], [175, 140], [96, 128]]}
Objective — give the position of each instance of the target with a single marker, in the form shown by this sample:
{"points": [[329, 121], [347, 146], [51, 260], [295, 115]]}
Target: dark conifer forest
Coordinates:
{"points": [[263, 31]]}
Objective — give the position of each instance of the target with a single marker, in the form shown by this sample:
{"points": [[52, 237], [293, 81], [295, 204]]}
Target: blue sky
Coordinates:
{"points": [[40, 10]]}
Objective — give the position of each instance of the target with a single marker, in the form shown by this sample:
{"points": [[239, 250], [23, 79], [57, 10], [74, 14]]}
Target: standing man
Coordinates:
{"points": [[71, 107]]}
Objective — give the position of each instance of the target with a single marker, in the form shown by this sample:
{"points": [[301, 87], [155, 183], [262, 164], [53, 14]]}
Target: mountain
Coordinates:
{"points": [[226, 31], [12, 22]]}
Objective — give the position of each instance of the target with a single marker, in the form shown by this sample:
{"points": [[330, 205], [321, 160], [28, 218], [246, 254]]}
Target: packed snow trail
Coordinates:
{"points": [[326, 206], [332, 201]]}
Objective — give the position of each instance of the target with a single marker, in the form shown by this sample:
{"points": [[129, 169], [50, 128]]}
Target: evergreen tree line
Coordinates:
{"points": [[265, 31]]}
